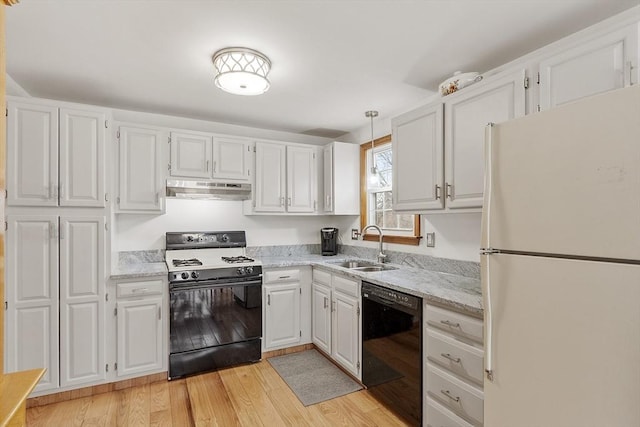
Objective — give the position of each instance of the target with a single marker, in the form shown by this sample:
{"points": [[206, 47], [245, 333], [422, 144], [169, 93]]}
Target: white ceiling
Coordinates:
{"points": [[332, 60]]}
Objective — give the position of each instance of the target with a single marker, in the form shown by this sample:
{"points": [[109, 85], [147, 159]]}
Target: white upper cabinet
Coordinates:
{"points": [[497, 99], [301, 179], [271, 170], [418, 154], [286, 178], [207, 156], [592, 67], [190, 155], [55, 156], [142, 168], [231, 158], [341, 179]]}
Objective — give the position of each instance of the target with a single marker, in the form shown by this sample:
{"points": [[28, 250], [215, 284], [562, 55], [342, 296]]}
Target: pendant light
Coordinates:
{"points": [[373, 175], [241, 71]]}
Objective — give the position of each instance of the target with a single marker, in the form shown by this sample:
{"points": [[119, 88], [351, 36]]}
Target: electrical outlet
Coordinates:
{"points": [[431, 240], [354, 234]]}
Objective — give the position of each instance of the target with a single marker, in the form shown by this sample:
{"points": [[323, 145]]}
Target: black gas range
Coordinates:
{"points": [[215, 302]]}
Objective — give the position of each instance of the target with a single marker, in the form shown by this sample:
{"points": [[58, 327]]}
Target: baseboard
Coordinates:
{"points": [[288, 350], [96, 389]]}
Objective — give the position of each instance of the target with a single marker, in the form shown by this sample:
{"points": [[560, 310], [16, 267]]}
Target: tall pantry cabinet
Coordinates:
{"points": [[56, 238]]}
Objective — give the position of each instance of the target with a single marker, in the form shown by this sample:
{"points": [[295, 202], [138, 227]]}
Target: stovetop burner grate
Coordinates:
{"points": [[186, 262], [237, 259]]}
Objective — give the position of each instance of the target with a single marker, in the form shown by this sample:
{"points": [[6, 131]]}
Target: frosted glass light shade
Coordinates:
{"points": [[242, 71]]}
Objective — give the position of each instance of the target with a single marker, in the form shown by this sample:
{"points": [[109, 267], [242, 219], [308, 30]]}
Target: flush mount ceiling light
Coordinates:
{"points": [[241, 71]]}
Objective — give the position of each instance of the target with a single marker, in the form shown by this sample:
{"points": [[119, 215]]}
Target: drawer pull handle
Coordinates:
{"points": [[448, 394], [450, 357], [284, 277], [450, 323], [136, 290]]}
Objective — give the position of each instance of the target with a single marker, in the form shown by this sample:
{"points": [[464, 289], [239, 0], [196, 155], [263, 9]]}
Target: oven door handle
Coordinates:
{"points": [[212, 284]]}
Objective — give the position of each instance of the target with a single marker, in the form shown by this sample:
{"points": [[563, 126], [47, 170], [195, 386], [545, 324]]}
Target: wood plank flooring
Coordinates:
{"points": [[248, 395]]}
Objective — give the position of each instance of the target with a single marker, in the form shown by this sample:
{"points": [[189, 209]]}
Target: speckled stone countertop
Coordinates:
{"points": [[451, 290], [135, 264], [457, 292], [132, 271]]}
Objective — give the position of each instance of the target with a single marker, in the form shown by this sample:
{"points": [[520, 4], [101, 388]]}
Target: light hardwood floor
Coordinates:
{"points": [[248, 395]]}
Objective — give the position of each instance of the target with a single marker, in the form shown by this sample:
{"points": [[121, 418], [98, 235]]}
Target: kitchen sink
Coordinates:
{"points": [[364, 266], [371, 268]]}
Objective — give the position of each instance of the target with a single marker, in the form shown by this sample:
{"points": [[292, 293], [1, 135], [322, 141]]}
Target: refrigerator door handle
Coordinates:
{"points": [[487, 251]]}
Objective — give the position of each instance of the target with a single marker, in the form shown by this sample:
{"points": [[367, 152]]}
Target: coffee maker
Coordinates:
{"points": [[329, 240]]}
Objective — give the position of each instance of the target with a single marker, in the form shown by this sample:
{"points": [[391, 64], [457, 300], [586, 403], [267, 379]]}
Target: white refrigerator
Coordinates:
{"points": [[561, 266]]}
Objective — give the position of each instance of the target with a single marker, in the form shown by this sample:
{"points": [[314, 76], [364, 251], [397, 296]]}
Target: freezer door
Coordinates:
{"points": [[567, 181], [565, 342]]}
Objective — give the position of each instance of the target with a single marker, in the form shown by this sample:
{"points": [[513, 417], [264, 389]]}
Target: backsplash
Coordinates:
{"points": [[443, 265], [138, 257]]}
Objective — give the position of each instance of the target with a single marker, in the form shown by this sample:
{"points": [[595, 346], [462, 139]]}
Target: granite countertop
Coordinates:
{"points": [[143, 269], [451, 290], [457, 292]]}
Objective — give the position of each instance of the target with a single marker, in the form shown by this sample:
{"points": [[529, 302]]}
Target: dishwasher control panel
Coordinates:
{"points": [[390, 296]]}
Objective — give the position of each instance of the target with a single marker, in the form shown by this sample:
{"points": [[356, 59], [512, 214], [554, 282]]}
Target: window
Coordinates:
{"points": [[376, 197]]}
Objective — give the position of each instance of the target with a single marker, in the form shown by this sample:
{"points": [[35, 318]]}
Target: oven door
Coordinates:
{"points": [[211, 327]]}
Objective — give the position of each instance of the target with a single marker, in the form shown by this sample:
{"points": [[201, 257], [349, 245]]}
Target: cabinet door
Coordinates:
{"points": [[345, 347], [270, 177], [82, 173], [190, 155], [301, 179], [327, 201], [231, 158], [597, 66], [282, 315], [32, 297], [140, 334], [496, 100], [418, 155], [32, 155], [141, 169], [321, 320], [82, 282]]}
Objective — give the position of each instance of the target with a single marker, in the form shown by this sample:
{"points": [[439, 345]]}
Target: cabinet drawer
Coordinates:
{"points": [[282, 276], [346, 286], [135, 289], [455, 323], [462, 359], [321, 276], [461, 398], [437, 415]]}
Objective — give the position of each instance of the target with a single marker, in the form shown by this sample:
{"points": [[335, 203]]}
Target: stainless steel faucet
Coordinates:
{"points": [[381, 256]]}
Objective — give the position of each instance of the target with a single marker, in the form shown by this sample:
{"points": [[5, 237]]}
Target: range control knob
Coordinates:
{"points": [[225, 238], [240, 271], [184, 275], [248, 270], [194, 274]]}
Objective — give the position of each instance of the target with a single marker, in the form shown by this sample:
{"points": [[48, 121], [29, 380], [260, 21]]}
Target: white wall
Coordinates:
{"points": [[457, 236], [143, 232]]}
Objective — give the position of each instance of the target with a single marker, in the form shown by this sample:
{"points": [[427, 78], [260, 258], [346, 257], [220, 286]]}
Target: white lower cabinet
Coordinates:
{"points": [[55, 290], [453, 369], [286, 317], [140, 327], [336, 328]]}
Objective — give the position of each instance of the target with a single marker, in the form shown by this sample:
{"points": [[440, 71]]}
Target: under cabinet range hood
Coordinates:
{"points": [[207, 190]]}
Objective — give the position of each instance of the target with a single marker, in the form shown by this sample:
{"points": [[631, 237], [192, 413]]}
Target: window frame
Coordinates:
{"points": [[364, 209]]}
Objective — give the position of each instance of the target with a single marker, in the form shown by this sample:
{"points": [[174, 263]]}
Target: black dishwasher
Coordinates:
{"points": [[392, 350]]}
